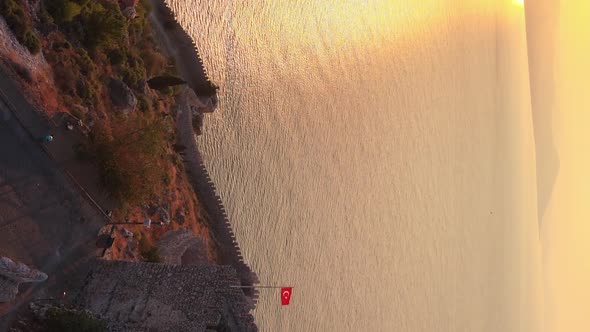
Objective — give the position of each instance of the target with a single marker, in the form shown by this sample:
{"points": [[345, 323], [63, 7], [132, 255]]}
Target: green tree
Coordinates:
{"points": [[14, 15], [64, 11], [149, 252], [164, 81], [31, 42], [71, 10], [60, 320], [105, 27], [117, 56], [20, 24]]}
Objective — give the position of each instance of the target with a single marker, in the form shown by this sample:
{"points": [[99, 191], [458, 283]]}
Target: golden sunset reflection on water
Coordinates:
{"points": [[359, 148]]}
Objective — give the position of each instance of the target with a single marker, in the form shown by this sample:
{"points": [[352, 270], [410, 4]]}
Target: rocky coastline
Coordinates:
{"points": [[183, 222], [197, 99]]}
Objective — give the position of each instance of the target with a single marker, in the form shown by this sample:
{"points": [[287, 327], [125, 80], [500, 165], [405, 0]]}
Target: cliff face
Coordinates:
{"points": [[158, 297]]}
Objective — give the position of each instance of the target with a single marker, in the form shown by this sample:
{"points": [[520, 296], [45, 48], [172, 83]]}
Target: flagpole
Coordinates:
{"points": [[234, 286], [285, 291]]}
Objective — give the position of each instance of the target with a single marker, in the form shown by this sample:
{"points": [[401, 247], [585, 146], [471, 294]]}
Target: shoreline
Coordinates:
{"points": [[198, 200], [178, 44], [219, 225]]}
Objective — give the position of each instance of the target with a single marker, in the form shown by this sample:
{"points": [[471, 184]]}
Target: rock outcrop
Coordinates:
{"points": [[121, 96], [198, 118], [8, 289], [130, 12], [128, 8], [208, 104], [184, 51], [198, 106], [19, 271], [12, 274]]}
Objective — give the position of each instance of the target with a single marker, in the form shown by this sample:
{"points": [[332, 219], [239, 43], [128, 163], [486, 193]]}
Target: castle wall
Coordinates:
{"points": [[180, 45], [220, 225], [160, 297], [192, 70]]}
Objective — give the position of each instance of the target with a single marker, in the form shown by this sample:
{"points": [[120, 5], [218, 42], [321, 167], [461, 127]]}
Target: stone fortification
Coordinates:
{"points": [[160, 297]]}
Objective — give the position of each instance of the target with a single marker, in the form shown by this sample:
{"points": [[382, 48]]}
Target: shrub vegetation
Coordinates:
{"points": [[14, 13], [60, 320], [86, 42], [130, 156], [104, 25], [64, 11], [149, 252]]}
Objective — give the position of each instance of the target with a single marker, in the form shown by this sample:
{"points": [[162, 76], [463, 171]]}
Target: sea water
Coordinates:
{"points": [[377, 156]]}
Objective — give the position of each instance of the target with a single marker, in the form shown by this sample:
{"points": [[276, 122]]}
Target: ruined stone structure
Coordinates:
{"points": [[182, 247], [158, 297]]}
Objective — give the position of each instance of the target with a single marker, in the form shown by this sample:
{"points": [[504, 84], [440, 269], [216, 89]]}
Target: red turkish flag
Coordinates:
{"points": [[286, 295]]}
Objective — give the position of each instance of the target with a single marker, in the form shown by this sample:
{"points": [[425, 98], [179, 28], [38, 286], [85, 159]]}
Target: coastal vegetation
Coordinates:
{"points": [[131, 154], [101, 51], [96, 60], [94, 41], [94, 44], [148, 251], [163, 82], [62, 320], [19, 22]]}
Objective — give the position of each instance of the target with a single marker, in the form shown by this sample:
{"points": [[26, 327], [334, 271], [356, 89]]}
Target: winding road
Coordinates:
{"points": [[44, 220]]}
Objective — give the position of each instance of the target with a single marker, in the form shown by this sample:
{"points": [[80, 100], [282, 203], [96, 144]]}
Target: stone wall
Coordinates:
{"points": [[182, 47], [159, 297], [219, 224], [191, 68]]}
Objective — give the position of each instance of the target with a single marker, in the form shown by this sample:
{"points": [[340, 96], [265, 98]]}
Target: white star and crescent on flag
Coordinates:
{"points": [[286, 295]]}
